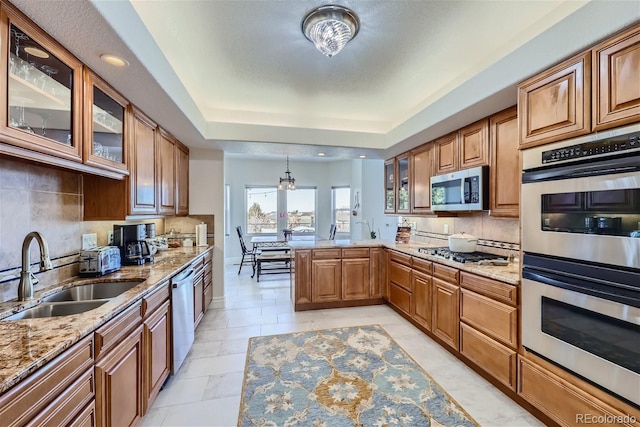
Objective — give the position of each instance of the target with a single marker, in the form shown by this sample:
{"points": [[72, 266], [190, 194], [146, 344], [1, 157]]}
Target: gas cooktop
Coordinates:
{"points": [[465, 257]]}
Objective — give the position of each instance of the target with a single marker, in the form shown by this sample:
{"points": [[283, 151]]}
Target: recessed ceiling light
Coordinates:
{"points": [[114, 60], [36, 51], [322, 154], [363, 156]]}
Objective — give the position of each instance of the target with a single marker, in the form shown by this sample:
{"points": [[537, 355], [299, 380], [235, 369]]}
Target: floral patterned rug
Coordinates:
{"points": [[341, 377]]}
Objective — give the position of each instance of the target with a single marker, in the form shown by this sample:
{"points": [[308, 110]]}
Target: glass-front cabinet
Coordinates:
{"points": [[104, 124], [403, 185], [42, 85], [390, 186]]}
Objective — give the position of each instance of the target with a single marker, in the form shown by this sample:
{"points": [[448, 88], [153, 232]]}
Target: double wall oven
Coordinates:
{"points": [[581, 267]]}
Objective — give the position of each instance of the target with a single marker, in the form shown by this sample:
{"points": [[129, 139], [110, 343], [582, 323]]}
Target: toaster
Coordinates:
{"points": [[99, 261]]}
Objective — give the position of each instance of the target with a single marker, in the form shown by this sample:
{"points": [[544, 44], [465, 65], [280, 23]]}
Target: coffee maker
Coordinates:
{"points": [[130, 239]]}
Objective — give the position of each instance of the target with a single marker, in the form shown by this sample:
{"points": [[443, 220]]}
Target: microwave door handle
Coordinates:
{"points": [[462, 182]]}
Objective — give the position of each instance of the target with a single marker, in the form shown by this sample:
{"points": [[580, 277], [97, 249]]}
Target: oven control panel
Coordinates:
{"points": [[595, 148]]}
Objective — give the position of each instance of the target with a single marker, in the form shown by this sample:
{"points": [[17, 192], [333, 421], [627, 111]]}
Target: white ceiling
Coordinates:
{"points": [[240, 75]]}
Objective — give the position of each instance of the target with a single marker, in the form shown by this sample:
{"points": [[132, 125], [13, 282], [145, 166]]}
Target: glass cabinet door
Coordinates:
{"points": [[44, 91], [389, 186], [104, 124], [403, 184]]}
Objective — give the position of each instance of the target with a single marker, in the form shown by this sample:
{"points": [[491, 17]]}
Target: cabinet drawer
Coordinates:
{"points": [[448, 274], [355, 253], [500, 291], [154, 300], [422, 265], [208, 296], [494, 318], [25, 400], [208, 257], [490, 355], [110, 334], [400, 257], [86, 418], [400, 298], [326, 253], [400, 275], [559, 399], [65, 407]]}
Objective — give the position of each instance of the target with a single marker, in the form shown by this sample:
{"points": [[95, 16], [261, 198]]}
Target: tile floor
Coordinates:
{"points": [[206, 391]]}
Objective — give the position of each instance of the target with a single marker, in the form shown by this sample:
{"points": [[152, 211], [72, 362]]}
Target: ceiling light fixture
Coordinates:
{"points": [[114, 60], [330, 28], [322, 154], [363, 156], [288, 180]]}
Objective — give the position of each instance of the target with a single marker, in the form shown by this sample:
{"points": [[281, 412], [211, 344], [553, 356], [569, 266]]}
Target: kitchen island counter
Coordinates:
{"points": [[28, 344]]}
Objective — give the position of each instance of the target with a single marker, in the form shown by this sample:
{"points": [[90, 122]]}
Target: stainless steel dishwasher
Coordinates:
{"points": [[182, 316]]}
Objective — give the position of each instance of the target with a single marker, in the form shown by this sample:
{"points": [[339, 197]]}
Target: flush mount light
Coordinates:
{"points": [[363, 156], [114, 60], [330, 28], [36, 51], [322, 154]]}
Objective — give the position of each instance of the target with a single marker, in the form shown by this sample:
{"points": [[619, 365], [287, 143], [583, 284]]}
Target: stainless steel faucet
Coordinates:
{"points": [[27, 279]]}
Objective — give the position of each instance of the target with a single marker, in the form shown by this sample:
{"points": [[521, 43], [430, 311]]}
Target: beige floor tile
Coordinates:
{"points": [[177, 391], [213, 413], [225, 385]]}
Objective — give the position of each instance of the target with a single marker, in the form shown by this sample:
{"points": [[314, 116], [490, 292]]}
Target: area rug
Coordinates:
{"points": [[355, 376]]}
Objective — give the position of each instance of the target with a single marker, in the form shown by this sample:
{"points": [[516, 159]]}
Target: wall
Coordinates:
{"points": [[242, 172]]}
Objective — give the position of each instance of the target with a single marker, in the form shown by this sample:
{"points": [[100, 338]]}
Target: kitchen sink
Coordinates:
{"points": [[55, 309], [92, 291]]}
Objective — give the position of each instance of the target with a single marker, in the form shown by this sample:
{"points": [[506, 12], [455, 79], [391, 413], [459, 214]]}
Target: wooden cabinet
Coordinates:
{"points": [[422, 168], [473, 141], [105, 125], [403, 184], [506, 169], [399, 282], [445, 322], [355, 278], [119, 383], [166, 173], [302, 277], [55, 393], [326, 276], [556, 104], [377, 272], [422, 293], [182, 179], [42, 94], [390, 177], [446, 154], [157, 343], [143, 165], [616, 80], [493, 357], [208, 280], [198, 291]]}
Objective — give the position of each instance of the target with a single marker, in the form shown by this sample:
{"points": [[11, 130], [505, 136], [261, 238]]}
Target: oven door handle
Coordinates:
{"points": [[630, 297], [606, 167]]}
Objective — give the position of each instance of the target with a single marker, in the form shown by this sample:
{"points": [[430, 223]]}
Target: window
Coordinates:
{"points": [[301, 210], [262, 208], [341, 209]]}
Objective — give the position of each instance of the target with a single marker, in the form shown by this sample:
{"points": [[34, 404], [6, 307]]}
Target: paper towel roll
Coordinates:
{"points": [[201, 234]]}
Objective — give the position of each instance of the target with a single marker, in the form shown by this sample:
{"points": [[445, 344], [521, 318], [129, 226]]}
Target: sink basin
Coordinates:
{"points": [[55, 309], [92, 291]]}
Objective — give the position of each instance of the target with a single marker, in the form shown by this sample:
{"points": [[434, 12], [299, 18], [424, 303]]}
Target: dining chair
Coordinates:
{"points": [[332, 232], [249, 253]]}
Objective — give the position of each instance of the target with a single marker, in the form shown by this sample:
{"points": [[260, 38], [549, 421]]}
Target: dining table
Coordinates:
{"points": [[277, 242]]}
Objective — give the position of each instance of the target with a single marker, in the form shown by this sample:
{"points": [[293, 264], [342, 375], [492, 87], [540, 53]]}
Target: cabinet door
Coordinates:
{"points": [[446, 153], [402, 204], [377, 269], [505, 170], [42, 90], [143, 166], [556, 104], [157, 352], [325, 280], [119, 386], [104, 124], [167, 173], [422, 169], [422, 311], [198, 298], [182, 179], [302, 276], [616, 82], [355, 278], [473, 141], [446, 312], [390, 186]]}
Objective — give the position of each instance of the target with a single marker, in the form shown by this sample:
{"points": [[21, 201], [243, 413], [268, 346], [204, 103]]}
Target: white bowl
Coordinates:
{"points": [[462, 242]]}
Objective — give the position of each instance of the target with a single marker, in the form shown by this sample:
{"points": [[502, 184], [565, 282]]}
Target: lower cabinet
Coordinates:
{"points": [[422, 290], [119, 385], [326, 275], [208, 281], [355, 278], [445, 312], [198, 299], [86, 418], [157, 352]]}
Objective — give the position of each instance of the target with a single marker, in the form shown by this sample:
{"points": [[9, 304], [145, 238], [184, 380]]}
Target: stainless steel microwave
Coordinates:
{"points": [[465, 190]]}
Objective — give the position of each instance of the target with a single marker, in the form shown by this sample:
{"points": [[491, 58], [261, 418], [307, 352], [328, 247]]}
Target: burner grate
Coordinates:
{"points": [[463, 257]]}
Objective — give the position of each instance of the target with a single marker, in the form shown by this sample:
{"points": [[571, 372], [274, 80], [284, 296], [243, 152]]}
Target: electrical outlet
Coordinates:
{"points": [[446, 229], [109, 237], [89, 241]]}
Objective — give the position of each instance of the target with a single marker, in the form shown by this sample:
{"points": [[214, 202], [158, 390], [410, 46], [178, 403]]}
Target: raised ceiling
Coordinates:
{"points": [[240, 75]]}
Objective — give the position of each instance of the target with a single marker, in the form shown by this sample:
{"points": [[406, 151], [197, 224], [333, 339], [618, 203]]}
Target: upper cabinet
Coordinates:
{"points": [[167, 173], [390, 186], [182, 179], [473, 141], [397, 187], [446, 154], [143, 165], [616, 80], [422, 168], [556, 104], [104, 125], [402, 205], [505, 171], [42, 88]]}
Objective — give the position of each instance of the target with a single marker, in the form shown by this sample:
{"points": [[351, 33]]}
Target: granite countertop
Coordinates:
{"points": [[508, 274], [28, 344]]}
